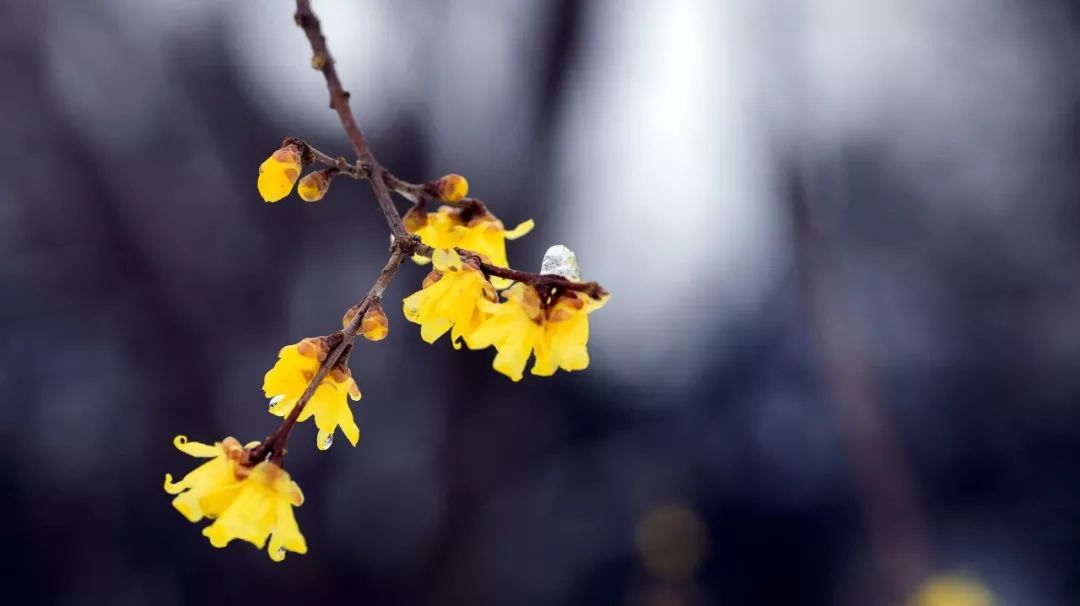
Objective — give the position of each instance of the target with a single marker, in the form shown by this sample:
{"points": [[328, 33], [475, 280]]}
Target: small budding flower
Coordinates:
{"points": [[247, 503], [278, 173], [554, 331], [450, 300], [287, 380], [374, 325], [452, 187], [313, 186]]}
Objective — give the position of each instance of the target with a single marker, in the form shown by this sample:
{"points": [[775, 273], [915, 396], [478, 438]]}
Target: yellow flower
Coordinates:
{"points": [[555, 332], [952, 590], [287, 380], [217, 473], [472, 228], [450, 300], [251, 504], [278, 173]]}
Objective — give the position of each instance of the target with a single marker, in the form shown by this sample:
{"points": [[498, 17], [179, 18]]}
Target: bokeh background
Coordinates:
{"points": [[842, 355]]}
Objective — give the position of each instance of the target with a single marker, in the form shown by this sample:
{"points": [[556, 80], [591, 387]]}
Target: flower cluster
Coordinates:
{"points": [[250, 502], [549, 323], [470, 293]]}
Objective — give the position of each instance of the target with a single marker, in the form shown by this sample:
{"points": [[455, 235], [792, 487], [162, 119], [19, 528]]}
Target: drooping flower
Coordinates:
{"points": [[217, 473], [450, 300], [247, 503], [287, 380], [278, 173], [472, 227], [554, 331]]}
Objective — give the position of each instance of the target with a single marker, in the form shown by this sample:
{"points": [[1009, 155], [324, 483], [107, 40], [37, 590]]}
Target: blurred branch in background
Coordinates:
{"points": [[883, 481]]}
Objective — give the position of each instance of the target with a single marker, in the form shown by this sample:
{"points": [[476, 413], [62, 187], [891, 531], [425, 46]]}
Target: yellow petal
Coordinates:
{"points": [[522, 228], [349, 428], [195, 449], [446, 259]]}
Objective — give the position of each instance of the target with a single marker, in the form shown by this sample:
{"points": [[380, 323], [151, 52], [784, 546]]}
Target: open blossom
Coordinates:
{"points": [[555, 332], [251, 504], [287, 380], [278, 173], [450, 300], [471, 228]]}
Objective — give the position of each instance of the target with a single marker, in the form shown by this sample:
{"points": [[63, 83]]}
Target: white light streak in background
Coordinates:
{"points": [[374, 43], [663, 184]]}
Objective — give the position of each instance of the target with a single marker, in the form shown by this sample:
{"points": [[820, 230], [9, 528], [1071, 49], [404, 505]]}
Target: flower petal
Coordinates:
{"points": [[522, 228], [195, 449]]}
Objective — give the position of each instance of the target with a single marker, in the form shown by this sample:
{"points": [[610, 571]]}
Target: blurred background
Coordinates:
{"points": [[842, 356]]}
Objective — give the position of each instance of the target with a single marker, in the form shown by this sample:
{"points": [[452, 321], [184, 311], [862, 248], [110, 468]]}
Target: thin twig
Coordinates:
{"points": [[540, 281], [339, 102], [413, 192]]}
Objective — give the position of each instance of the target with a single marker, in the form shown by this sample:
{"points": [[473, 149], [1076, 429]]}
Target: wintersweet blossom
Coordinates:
{"points": [[471, 228], [555, 331], [247, 503], [450, 300], [287, 380], [278, 173]]}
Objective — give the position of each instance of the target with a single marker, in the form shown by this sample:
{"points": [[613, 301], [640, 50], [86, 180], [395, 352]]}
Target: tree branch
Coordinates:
{"points": [[339, 102], [404, 244]]}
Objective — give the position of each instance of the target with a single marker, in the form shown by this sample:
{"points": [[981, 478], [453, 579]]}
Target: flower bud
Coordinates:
{"points": [[312, 187], [278, 173], [452, 187], [374, 326]]}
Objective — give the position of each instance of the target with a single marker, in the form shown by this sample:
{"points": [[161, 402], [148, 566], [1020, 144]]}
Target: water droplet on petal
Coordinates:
{"points": [[328, 441], [274, 401], [281, 552]]}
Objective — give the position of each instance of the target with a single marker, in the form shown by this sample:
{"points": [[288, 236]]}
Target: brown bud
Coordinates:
{"points": [[375, 325], [313, 186], [450, 188], [349, 317], [313, 347]]}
